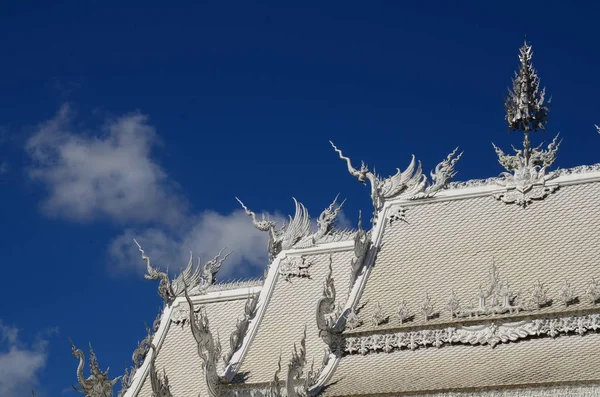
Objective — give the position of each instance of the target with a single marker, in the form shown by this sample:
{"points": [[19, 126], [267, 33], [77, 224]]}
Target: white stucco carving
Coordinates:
{"points": [[491, 334]]}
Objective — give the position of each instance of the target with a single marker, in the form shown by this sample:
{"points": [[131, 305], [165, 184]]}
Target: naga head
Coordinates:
{"points": [[264, 224], [98, 383]]}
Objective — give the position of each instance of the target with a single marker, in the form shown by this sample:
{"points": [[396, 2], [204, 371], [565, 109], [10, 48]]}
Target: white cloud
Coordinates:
{"points": [[110, 173], [107, 173], [207, 234], [20, 363]]}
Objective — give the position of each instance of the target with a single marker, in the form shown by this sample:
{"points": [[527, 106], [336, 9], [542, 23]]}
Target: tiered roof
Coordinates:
{"points": [[459, 288]]}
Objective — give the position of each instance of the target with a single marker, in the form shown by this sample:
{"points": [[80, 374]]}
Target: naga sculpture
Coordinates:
{"points": [[296, 369], [190, 276], [160, 386], [361, 247], [274, 389], [140, 353], [410, 183], [237, 335], [326, 312], [325, 224], [209, 350], [288, 235], [97, 384]]}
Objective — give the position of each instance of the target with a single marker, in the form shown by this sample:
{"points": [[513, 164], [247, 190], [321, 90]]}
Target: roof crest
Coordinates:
{"points": [[408, 184], [298, 232], [198, 278]]}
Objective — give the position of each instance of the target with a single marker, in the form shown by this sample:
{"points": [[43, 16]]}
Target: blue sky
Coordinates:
{"points": [[146, 121]]}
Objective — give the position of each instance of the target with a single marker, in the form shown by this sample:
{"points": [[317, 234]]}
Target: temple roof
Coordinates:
{"points": [[447, 248], [176, 348], [459, 287]]}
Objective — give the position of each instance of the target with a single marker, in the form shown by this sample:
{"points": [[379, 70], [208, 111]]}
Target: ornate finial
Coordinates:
{"points": [[191, 276], [139, 354], [326, 304], [97, 384], [526, 111], [296, 368], [409, 184], [377, 316], [326, 221], [525, 107], [288, 235]]}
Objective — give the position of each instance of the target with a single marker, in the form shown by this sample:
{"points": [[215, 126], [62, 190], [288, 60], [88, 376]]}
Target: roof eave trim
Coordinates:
{"points": [[491, 188]]}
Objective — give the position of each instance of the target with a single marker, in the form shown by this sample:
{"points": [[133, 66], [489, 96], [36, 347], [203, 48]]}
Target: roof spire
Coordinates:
{"points": [[525, 105], [526, 111]]}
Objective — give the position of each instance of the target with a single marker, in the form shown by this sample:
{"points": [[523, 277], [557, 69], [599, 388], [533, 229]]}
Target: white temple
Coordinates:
{"points": [[476, 288]]}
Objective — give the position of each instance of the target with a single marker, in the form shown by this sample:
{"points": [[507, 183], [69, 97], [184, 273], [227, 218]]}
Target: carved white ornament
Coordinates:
{"points": [[397, 214], [297, 233], [403, 312], [579, 170], [486, 334], [198, 278], [236, 337], [180, 314], [427, 307], [593, 291], [352, 320], [294, 266], [377, 317], [409, 184]]}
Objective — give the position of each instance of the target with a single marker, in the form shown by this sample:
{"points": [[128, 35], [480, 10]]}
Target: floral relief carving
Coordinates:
{"points": [[296, 266], [403, 312], [487, 334]]}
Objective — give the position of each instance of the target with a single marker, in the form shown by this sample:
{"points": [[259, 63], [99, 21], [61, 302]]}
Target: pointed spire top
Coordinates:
{"points": [[526, 109]]}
